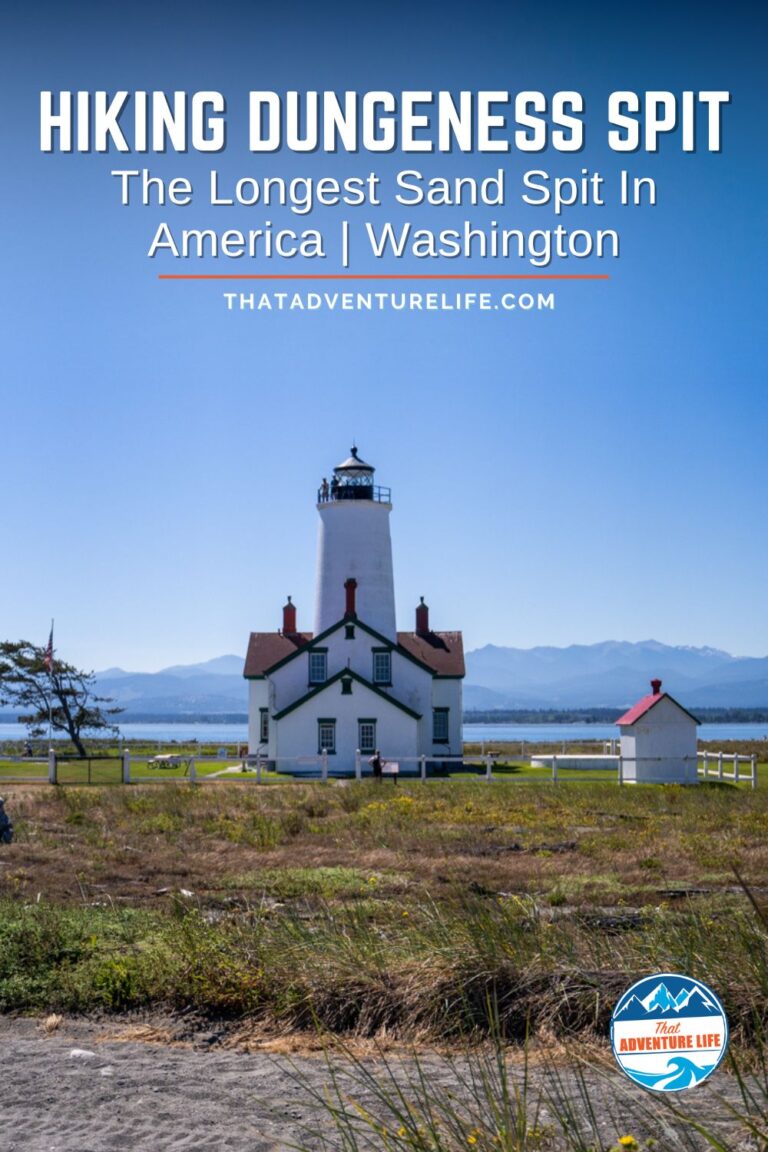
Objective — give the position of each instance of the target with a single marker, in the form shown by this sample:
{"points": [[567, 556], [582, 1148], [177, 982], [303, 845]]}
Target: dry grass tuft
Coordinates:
{"points": [[144, 1034]]}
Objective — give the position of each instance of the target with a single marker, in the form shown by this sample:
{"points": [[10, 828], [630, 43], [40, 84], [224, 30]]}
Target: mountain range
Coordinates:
{"points": [[613, 673], [610, 674], [211, 688]]}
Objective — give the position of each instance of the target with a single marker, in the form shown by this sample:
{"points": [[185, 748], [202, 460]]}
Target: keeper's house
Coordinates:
{"points": [[355, 684]]}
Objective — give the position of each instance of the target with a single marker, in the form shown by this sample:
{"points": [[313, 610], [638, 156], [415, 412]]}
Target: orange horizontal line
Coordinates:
{"points": [[378, 276]]}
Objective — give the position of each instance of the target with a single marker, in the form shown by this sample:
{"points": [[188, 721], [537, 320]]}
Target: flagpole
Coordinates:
{"points": [[49, 658]]}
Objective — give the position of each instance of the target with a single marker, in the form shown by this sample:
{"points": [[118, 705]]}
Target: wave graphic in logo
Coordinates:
{"points": [[679, 1073]]}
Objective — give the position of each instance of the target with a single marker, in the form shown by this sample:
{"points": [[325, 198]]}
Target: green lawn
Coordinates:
{"points": [[108, 770]]}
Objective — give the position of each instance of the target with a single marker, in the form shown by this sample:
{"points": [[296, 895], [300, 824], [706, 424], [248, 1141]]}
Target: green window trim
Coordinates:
{"points": [[329, 744], [317, 660], [391, 700], [381, 671], [441, 726], [311, 645], [366, 741]]}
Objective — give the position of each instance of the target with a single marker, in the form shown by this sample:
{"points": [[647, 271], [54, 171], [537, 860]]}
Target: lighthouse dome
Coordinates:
{"points": [[354, 466]]}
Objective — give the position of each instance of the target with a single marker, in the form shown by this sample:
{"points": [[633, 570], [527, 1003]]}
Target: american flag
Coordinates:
{"points": [[48, 657]]}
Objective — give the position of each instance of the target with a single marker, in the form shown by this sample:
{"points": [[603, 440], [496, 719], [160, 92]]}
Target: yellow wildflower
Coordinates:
{"points": [[628, 1142]]}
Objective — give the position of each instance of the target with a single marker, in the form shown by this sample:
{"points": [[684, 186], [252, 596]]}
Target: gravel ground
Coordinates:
{"points": [[89, 1087]]}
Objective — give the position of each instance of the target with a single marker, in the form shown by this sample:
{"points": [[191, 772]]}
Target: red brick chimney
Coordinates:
{"points": [[422, 619], [289, 618], [349, 587], [656, 687]]}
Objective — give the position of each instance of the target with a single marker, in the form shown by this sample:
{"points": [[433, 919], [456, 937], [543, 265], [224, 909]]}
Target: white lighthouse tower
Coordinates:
{"points": [[327, 700], [354, 544]]}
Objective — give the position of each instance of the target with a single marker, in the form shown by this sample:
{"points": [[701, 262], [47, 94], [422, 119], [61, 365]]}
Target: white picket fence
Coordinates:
{"points": [[725, 766], [390, 767], [708, 765], [713, 764], [316, 765]]}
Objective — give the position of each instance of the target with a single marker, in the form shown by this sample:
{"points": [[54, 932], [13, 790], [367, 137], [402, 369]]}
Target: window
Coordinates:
{"points": [[366, 735], [263, 725], [349, 631], [346, 685], [326, 736], [318, 667], [440, 725], [382, 666]]}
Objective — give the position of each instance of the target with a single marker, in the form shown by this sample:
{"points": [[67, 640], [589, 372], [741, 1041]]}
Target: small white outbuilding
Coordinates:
{"points": [[658, 741]]}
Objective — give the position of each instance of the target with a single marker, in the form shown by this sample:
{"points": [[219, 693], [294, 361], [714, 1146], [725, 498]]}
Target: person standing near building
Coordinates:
{"points": [[375, 763]]}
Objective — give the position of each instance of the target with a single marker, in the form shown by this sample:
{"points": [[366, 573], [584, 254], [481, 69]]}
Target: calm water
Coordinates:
{"points": [[238, 733], [577, 732]]}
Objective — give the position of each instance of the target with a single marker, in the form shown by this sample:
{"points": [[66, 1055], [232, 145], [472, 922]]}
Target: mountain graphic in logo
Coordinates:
{"points": [[661, 1003]]}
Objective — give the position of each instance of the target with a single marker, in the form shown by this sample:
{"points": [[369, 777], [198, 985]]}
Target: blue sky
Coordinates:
{"points": [[597, 472]]}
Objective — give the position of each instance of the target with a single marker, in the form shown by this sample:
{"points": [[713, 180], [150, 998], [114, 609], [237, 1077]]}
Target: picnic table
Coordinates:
{"points": [[169, 760]]}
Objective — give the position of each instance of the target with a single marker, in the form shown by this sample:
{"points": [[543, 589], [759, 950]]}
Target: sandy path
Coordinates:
{"points": [[74, 1091]]}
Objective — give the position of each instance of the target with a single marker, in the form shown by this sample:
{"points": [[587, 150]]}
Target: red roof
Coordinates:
{"points": [[268, 648], [645, 705], [443, 652]]}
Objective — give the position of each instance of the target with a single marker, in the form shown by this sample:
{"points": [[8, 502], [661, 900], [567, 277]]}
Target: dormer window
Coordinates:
{"points": [[382, 666], [318, 666]]}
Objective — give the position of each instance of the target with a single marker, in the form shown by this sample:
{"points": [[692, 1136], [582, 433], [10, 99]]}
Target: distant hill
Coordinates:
{"points": [[611, 674], [212, 688], [219, 666]]}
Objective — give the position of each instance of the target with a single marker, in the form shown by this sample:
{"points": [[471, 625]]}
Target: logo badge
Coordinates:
{"points": [[668, 1032]]}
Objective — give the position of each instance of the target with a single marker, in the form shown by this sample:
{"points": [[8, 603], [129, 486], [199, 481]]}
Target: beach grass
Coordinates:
{"points": [[456, 946], [568, 1099], [368, 910]]}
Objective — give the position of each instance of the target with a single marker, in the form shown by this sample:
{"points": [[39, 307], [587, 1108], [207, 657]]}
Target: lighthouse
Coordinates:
{"points": [[354, 543], [354, 684]]}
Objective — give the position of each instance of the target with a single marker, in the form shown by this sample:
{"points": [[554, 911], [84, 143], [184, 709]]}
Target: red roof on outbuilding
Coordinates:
{"points": [[645, 705]]}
